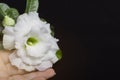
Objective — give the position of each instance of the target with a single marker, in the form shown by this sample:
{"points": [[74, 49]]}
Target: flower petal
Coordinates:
{"points": [[37, 50], [27, 67], [8, 42], [8, 30], [44, 65], [16, 61]]}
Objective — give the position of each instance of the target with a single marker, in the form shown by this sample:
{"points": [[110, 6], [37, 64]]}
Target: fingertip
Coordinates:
{"points": [[39, 78], [50, 73]]}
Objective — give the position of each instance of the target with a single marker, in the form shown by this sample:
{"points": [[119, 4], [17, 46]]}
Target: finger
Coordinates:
{"points": [[3, 78], [49, 73], [12, 70], [4, 54], [17, 77], [45, 74], [39, 79]]}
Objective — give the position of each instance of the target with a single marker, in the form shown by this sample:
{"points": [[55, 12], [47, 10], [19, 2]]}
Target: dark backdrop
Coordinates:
{"points": [[89, 36]]}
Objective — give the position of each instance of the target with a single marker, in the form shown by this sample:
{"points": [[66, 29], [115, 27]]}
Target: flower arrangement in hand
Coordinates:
{"points": [[34, 47]]}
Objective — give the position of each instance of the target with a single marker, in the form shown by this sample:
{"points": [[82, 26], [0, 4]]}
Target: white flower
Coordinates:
{"points": [[34, 46]]}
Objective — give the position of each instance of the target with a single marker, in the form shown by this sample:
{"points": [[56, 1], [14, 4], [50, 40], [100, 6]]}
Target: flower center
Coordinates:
{"points": [[32, 41]]}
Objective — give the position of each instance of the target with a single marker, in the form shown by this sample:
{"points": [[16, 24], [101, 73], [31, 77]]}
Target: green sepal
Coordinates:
{"points": [[59, 54], [31, 6]]}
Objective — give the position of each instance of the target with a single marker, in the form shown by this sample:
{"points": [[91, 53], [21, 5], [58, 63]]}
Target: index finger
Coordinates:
{"points": [[44, 74]]}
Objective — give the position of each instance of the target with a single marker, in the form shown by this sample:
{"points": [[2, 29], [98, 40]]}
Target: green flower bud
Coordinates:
{"points": [[7, 21]]}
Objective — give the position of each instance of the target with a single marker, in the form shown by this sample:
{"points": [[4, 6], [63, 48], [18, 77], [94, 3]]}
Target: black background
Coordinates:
{"points": [[89, 33]]}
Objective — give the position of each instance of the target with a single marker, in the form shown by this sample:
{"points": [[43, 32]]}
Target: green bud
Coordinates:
{"points": [[7, 21]]}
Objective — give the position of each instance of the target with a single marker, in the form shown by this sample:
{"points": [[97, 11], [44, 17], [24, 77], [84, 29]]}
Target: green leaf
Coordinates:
{"points": [[32, 5], [12, 12], [59, 54], [3, 8]]}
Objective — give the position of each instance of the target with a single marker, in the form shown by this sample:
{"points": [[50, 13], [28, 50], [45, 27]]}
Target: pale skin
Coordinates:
{"points": [[9, 72]]}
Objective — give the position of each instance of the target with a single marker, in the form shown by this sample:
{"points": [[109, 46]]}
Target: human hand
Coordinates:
{"points": [[9, 72]]}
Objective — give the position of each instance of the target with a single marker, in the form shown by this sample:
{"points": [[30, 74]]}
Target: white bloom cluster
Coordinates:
{"points": [[34, 46]]}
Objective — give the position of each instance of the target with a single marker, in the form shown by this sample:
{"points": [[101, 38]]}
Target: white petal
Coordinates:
{"points": [[22, 28], [44, 65], [26, 67], [47, 26], [38, 50], [54, 59], [21, 52], [8, 30], [51, 55], [8, 42], [20, 41], [15, 60], [31, 61]]}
